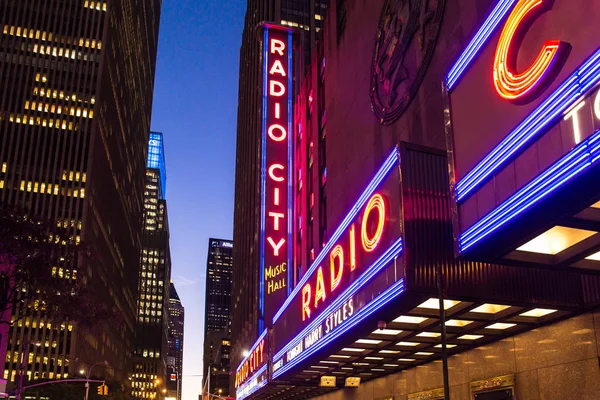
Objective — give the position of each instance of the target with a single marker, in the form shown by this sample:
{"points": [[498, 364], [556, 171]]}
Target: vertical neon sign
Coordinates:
{"points": [[276, 201]]}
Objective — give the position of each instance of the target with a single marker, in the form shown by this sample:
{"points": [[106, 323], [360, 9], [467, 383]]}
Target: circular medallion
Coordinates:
{"points": [[404, 45]]}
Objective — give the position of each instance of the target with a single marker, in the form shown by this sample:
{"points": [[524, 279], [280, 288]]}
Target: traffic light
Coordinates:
{"points": [[103, 390]]}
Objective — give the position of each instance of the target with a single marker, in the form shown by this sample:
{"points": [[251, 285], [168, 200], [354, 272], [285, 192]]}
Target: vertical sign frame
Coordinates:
{"points": [[276, 194]]}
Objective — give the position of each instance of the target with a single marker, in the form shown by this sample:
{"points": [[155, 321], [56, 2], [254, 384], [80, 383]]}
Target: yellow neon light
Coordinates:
{"points": [[510, 84], [376, 202]]}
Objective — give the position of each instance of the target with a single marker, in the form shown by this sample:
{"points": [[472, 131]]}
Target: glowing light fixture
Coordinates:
{"points": [[389, 352], [458, 323], [405, 319], [489, 308], [406, 359], [373, 358], [470, 337], [389, 332], [434, 304], [368, 341], [423, 353], [538, 312], [390, 365], [352, 349], [500, 326], [339, 356], [407, 344], [429, 334], [329, 362], [555, 240], [450, 346]]}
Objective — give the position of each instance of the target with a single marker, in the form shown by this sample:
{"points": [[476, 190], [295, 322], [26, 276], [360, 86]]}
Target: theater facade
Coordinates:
{"points": [[436, 155]]}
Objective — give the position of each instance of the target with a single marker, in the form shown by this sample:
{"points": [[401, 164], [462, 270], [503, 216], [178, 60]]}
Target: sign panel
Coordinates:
{"points": [[355, 273], [255, 361], [522, 97], [276, 218]]}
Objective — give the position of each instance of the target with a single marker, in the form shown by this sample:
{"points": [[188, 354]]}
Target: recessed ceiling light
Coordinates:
{"points": [[458, 322], [329, 362], [390, 365], [470, 337], [373, 358], [319, 366], [347, 368], [489, 308], [500, 326], [408, 344], [429, 334], [339, 356], [423, 353], [406, 359], [389, 352], [353, 349], [310, 372], [555, 240], [378, 369], [404, 319], [389, 332], [594, 257], [360, 364], [368, 341], [339, 373], [434, 304], [450, 346], [538, 312]]}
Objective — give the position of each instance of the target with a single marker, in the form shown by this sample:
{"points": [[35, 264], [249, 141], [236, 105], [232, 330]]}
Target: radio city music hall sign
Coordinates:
{"points": [[276, 173]]}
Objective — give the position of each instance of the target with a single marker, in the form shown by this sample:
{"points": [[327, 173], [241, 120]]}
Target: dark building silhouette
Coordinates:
{"points": [[75, 105], [217, 322], [307, 17], [149, 369], [175, 353]]}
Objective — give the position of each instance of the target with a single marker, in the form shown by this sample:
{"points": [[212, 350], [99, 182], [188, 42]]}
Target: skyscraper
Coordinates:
{"points": [[307, 17], [175, 353], [217, 322], [75, 105], [149, 369]]}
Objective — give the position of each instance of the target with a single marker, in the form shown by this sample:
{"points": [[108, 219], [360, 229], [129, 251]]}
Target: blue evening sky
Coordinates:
{"points": [[195, 106]]}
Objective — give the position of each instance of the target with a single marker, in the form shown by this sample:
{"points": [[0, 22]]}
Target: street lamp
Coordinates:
{"points": [[89, 374]]}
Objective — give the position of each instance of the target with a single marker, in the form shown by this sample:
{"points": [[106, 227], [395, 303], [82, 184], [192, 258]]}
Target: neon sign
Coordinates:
{"points": [[341, 286], [511, 169], [253, 362], [276, 221], [510, 84], [327, 280]]}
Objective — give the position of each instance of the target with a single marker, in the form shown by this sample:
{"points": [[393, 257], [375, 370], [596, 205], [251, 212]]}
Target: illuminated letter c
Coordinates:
{"points": [[510, 84], [272, 175]]}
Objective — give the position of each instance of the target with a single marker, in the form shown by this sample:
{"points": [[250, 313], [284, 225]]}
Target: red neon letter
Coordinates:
{"points": [[338, 253], [276, 196], [320, 290], [376, 202], [277, 111], [277, 68], [510, 84], [277, 246], [352, 248], [282, 132], [272, 175], [276, 217], [277, 93], [277, 46], [306, 294]]}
